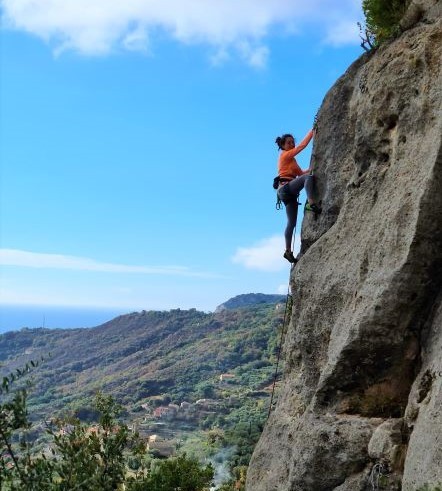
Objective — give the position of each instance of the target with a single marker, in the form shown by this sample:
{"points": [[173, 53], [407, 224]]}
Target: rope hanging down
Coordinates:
{"points": [[288, 304], [287, 310]]}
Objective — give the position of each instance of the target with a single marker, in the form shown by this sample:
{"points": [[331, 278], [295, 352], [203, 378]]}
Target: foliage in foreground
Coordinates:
{"points": [[243, 342], [382, 17], [104, 457]]}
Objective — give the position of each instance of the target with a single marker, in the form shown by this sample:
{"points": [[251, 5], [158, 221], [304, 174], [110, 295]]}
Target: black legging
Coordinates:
{"points": [[288, 194]]}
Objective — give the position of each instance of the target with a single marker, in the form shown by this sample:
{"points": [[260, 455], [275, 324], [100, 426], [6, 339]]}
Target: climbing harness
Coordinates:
{"points": [[278, 202], [286, 199], [276, 181]]}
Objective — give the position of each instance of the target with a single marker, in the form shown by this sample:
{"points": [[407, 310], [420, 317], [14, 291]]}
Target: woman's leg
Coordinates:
{"points": [[296, 185], [309, 189], [306, 181], [291, 208]]}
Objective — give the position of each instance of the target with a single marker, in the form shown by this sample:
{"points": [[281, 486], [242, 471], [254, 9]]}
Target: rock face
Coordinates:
{"points": [[360, 403]]}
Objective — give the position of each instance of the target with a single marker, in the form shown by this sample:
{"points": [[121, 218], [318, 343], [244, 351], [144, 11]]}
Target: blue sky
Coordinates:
{"points": [[137, 144]]}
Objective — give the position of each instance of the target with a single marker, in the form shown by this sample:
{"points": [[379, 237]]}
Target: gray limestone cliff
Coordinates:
{"points": [[360, 403]]}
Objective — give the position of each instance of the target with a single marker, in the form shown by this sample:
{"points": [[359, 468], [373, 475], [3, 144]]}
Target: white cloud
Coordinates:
{"points": [[283, 289], [342, 32], [27, 259], [220, 57], [266, 255], [96, 27], [136, 40], [254, 56]]}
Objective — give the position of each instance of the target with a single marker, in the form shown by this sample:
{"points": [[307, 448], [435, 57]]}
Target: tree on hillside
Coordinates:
{"points": [[382, 17], [180, 474]]}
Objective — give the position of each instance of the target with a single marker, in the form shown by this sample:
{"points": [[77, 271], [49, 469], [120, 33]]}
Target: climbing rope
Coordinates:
{"points": [[287, 310], [379, 469]]}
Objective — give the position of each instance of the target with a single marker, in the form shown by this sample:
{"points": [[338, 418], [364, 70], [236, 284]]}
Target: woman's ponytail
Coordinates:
{"points": [[280, 140]]}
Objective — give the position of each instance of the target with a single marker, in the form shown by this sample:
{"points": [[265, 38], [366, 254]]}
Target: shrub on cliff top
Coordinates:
{"points": [[382, 17]]}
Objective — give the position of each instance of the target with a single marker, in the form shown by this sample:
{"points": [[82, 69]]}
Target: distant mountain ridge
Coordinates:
{"points": [[249, 299]]}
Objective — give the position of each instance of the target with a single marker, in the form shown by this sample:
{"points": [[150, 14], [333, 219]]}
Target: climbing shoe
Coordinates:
{"points": [[290, 257], [313, 207]]}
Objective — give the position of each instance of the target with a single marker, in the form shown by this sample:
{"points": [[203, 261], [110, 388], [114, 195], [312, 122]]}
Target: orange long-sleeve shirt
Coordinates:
{"points": [[288, 168]]}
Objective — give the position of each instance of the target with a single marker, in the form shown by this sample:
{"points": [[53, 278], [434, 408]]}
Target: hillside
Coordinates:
{"points": [[249, 299], [177, 355], [144, 354]]}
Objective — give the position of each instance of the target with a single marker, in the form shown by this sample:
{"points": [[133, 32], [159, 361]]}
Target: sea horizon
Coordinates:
{"points": [[16, 317]]}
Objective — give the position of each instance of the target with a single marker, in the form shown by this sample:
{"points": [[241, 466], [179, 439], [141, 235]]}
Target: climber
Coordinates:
{"points": [[291, 181]]}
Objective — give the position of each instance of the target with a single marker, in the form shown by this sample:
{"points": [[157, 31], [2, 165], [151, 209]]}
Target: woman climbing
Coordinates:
{"points": [[291, 180]]}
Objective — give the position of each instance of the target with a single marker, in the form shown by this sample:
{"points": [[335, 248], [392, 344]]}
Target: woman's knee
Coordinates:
{"points": [[297, 184]]}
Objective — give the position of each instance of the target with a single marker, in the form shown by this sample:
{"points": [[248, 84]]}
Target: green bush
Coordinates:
{"points": [[382, 17], [102, 457], [183, 473]]}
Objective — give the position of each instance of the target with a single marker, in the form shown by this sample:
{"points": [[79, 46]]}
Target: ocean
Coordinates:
{"points": [[15, 317]]}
